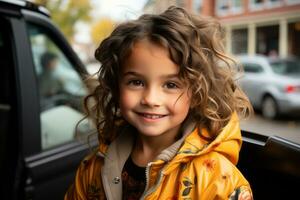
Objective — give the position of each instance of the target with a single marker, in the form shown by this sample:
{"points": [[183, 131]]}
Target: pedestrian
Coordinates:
{"points": [[167, 112], [50, 83]]}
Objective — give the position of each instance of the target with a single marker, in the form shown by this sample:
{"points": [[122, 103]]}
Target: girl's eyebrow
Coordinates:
{"points": [[171, 76], [133, 73]]}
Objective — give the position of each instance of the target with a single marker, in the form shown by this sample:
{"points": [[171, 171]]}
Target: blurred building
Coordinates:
{"points": [[267, 27], [270, 27]]}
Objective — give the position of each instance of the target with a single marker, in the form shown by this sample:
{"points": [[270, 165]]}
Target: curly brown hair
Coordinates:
{"points": [[195, 44]]}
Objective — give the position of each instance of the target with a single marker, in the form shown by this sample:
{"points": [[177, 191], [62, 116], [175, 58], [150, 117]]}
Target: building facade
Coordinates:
{"points": [[269, 27]]}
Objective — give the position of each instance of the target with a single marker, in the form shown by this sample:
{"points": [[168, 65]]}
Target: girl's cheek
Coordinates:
{"points": [[126, 99]]}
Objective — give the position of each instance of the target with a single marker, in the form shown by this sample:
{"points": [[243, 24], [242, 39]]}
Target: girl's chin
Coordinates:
{"points": [[153, 132], [149, 133]]}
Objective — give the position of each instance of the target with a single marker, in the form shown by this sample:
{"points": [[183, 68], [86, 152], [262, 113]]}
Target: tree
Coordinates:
{"points": [[101, 29], [65, 13]]}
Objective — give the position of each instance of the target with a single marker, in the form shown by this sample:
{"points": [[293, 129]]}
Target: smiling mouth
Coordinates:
{"points": [[151, 116]]}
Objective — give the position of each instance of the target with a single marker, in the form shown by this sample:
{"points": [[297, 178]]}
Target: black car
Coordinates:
{"points": [[41, 144]]}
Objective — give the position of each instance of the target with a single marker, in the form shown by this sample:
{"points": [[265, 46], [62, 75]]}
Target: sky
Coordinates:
{"points": [[117, 10]]}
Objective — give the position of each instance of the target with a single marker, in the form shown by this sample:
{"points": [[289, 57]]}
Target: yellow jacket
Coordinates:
{"points": [[191, 168]]}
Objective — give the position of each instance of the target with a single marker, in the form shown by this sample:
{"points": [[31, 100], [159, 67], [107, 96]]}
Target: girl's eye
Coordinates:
{"points": [[171, 85], [135, 83]]}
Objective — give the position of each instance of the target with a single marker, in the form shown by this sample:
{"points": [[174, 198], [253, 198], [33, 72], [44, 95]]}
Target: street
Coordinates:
{"points": [[288, 128]]}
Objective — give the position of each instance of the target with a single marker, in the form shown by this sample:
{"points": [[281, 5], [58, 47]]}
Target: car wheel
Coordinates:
{"points": [[269, 108]]}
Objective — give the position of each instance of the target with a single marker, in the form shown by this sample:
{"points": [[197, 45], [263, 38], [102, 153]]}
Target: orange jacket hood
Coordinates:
{"points": [[228, 142]]}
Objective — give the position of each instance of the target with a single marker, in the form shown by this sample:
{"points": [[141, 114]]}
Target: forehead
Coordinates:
{"points": [[149, 56]]}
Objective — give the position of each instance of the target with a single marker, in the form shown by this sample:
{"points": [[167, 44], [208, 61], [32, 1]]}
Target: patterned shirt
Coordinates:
{"points": [[133, 180]]}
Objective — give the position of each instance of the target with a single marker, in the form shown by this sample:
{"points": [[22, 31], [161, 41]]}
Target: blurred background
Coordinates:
{"points": [[263, 34], [269, 27]]}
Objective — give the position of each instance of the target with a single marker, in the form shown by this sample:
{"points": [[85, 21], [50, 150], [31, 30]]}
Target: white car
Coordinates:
{"points": [[272, 84]]}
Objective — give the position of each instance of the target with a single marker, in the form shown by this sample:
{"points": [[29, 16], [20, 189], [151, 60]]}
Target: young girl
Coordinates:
{"points": [[167, 114]]}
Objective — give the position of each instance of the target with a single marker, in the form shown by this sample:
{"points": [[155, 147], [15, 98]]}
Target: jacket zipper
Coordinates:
{"points": [[147, 192], [147, 179]]}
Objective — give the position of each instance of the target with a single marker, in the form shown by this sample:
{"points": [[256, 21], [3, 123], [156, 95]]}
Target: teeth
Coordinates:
{"points": [[152, 116]]}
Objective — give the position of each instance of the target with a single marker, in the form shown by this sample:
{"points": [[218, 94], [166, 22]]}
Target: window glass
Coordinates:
{"points": [[256, 4], [222, 7], [267, 40], [293, 1], [273, 3], [291, 67], [197, 5], [258, 1], [236, 5], [265, 4], [225, 7], [61, 90], [239, 41], [252, 68]]}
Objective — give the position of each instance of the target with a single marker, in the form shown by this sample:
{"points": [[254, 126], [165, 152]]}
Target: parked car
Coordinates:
{"points": [[272, 84], [39, 147]]}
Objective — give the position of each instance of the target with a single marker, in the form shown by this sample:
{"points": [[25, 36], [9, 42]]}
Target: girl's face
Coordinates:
{"points": [[152, 97]]}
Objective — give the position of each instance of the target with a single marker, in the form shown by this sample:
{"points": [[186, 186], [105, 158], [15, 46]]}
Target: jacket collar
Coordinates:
{"points": [[114, 160]]}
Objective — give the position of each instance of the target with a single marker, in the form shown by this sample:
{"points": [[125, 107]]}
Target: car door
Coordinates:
{"points": [[9, 126], [252, 81], [271, 165], [49, 136]]}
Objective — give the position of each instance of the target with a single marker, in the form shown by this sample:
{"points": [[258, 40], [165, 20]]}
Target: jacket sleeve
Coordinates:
{"points": [[220, 179], [87, 184]]}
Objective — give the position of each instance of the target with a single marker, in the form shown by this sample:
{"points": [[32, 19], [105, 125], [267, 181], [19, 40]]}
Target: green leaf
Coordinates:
{"points": [[187, 183], [186, 191], [183, 166], [187, 151]]}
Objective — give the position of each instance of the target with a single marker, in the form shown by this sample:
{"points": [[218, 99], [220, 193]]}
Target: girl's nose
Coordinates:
{"points": [[151, 98]]}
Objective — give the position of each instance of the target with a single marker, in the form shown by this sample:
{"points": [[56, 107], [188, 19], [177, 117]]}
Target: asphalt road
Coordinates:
{"points": [[288, 128]]}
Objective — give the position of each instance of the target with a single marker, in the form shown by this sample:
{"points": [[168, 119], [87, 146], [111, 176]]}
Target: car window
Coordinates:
{"points": [[286, 67], [61, 90], [252, 68]]}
